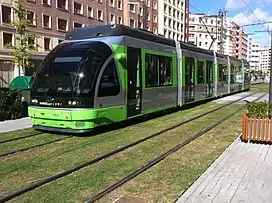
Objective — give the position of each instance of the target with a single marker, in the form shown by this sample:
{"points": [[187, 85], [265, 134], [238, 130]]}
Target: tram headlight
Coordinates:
{"points": [[35, 101], [73, 103]]}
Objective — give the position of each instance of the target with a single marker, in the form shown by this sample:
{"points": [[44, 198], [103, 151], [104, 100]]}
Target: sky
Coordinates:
{"points": [[242, 12]]}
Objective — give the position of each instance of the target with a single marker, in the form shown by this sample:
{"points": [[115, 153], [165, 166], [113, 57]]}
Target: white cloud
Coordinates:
{"points": [[236, 4], [242, 18]]}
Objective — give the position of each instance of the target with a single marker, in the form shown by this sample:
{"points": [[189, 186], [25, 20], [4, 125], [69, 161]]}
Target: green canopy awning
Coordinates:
{"points": [[21, 82]]}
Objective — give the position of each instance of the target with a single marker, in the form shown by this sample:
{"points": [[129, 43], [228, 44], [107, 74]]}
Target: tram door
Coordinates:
{"points": [[189, 80], [134, 82], [209, 78]]}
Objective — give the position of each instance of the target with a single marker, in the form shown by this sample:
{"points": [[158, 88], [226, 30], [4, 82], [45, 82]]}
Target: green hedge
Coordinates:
{"points": [[11, 106], [257, 109]]}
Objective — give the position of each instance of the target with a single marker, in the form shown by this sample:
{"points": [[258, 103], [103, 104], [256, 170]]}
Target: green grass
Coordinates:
{"points": [[21, 169], [90, 180], [49, 159], [16, 133], [264, 87]]}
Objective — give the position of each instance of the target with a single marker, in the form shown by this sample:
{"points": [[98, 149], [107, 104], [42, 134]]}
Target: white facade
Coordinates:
{"points": [[228, 44], [199, 33], [265, 59], [254, 61], [171, 19], [249, 49], [244, 45]]}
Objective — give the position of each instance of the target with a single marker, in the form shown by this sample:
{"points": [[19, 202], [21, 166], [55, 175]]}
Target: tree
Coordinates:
{"points": [[25, 45]]}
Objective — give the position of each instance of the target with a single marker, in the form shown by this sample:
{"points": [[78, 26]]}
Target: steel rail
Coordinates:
{"points": [[107, 155], [161, 157], [32, 147], [22, 137]]}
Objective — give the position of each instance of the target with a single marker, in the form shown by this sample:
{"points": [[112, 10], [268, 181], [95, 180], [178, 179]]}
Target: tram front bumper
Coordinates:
{"points": [[62, 120]]}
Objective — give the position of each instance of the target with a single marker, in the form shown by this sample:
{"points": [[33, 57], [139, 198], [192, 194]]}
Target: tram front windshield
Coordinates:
{"points": [[69, 71]]}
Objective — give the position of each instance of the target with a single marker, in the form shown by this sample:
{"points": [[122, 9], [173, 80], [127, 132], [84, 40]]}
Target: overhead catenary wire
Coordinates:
{"points": [[255, 16], [213, 39]]}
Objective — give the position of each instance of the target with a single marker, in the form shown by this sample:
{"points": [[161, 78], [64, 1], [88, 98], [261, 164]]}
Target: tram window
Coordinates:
{"points": [[200, 72], [223, 73], [158, 71], [109, 84]]}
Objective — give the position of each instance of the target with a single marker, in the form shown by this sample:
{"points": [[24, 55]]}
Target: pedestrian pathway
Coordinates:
{"points": [[11, 125], [243, 173], [228, 99]]}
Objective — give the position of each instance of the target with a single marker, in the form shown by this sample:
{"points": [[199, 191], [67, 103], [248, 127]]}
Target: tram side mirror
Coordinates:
{"points": [[122, 58]]}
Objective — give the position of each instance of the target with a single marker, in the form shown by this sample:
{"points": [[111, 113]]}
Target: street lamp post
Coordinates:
{"points": [[270, 72], [270, 81]]}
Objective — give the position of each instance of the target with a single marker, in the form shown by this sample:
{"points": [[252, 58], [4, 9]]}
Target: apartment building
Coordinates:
{"points": [[51, 19], [219, 34], [205, 32], [265, 61], [249, 48], [171, 20], [243, 45], [255, 57], [141, 14]]}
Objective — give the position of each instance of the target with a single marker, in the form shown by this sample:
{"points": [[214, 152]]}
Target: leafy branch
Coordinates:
{"points": [[25, 45]]}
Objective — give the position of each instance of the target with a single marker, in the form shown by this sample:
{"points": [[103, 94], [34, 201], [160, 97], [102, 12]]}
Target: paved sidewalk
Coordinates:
{"points": [[11, 125], [243, 173], [228, 99]]}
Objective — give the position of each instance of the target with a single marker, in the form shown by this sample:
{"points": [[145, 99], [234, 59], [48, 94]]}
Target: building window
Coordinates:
{"points": [[148, 16], [77, 24], [158, 70], [90, 12], [31, 18], [155, 5], [119, 20], [155, 18], [100, 15], [7, 39], [111, 3], [6, 14], [31, 42], [62, 4], [109, 84], [148, 3], [112, 18], [46, 2], [131, 23], [155, 31], [141, 11], [78, 8], [100, 1], [46, 44], [132, 8], [62, 24], [46, 21], [120, 5]]}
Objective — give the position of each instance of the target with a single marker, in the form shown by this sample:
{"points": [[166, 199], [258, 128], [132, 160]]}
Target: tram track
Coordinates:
{"points": [[161, 157], [57, 140], [109, 154], [32, 147], [22, 137]]}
